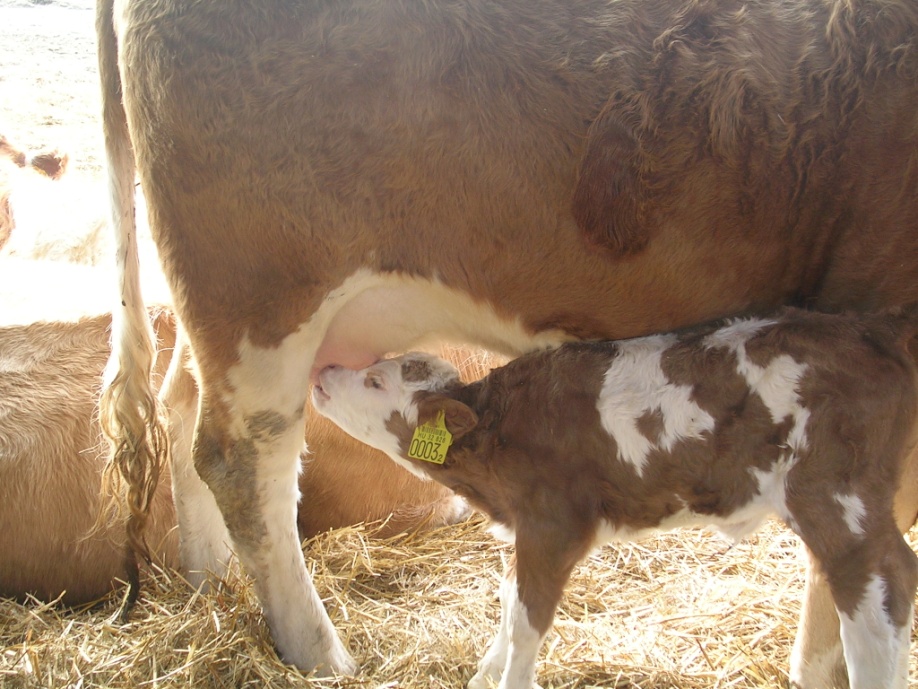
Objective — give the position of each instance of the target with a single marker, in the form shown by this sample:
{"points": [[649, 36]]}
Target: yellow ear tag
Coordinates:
{"points": [[431, 441]]}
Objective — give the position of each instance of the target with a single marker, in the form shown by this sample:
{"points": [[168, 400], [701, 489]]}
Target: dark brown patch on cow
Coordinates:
{"points": [[608, 202], [229, 468], [266, 425]]}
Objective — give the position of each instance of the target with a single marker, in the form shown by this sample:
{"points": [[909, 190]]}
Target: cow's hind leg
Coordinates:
{"points": [[204, 541], [247, 447]]}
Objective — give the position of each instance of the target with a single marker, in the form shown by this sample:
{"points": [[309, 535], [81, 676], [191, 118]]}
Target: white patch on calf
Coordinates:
{"points": [[516, 646], [776, 384], [736, 334], [853, 511], [635, 385], [876, 651]]}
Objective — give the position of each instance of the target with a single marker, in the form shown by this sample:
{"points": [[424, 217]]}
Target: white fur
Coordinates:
{"points": [[371, 314], [876, 651], [776, 384], [363, 409], [736, 333], [269, 378], [853, 511], [512, 654], [635, 385], [274, 380]]}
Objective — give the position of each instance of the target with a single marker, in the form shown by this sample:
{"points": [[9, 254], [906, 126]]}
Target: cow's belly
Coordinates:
{"points": [[372, 314]]}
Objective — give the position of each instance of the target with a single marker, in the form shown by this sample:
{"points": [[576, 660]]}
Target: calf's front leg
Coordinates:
{"points": [[529, 594]]}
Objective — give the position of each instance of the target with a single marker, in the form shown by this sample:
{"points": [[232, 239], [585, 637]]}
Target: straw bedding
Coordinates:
{"points": [[683, 610], [680, 611]]}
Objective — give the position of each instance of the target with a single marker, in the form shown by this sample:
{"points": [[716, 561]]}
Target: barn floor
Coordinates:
{"points": [[684, 611]]}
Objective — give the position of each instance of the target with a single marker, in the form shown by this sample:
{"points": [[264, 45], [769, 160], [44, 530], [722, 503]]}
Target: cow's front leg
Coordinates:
{"points": [[247, 448]]}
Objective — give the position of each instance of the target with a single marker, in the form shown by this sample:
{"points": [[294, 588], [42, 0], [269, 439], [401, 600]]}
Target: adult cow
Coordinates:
{"points": [[328, 181]]}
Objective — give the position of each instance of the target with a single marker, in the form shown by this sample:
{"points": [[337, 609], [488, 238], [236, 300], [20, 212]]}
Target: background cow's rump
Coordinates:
{"points": [[51, 463]]}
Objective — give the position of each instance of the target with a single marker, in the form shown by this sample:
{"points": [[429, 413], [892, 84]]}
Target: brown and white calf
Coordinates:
{"points": [[805, 416]]}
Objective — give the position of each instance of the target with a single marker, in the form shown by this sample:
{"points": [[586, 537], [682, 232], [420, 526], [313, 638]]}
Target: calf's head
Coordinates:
{"points": [[383, 404]]}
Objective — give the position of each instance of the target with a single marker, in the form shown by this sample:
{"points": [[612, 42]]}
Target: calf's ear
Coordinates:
{"points": [[459, 418]]}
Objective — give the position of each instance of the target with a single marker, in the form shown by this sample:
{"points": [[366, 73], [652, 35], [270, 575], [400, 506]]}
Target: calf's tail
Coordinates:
{"points": [[129, 412]]}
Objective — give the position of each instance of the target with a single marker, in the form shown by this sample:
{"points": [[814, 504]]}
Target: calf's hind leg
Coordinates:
{"points": [[875, 634], [872, 575], [818, 660], [247, 448]]}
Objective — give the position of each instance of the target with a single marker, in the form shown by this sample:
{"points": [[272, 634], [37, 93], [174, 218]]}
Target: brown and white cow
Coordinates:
{"points": [[808, 417], [328, 182]]}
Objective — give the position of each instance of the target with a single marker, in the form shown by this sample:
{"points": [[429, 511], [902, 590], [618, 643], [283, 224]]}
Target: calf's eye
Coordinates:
{"points": [[372, 381]]}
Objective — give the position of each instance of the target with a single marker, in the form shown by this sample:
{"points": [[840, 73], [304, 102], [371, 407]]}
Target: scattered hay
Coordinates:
{"points": [[683, 610]]}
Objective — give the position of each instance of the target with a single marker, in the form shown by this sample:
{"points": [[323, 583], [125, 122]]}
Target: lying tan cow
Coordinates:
{"points": [[331, 181], [807, 417], [52, 455]]}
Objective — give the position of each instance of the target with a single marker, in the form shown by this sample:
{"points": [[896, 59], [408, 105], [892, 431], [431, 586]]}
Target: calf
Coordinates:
{"points": [[806, 416]]}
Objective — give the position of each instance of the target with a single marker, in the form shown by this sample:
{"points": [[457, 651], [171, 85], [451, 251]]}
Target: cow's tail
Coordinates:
{"points": [[129, 412]]}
